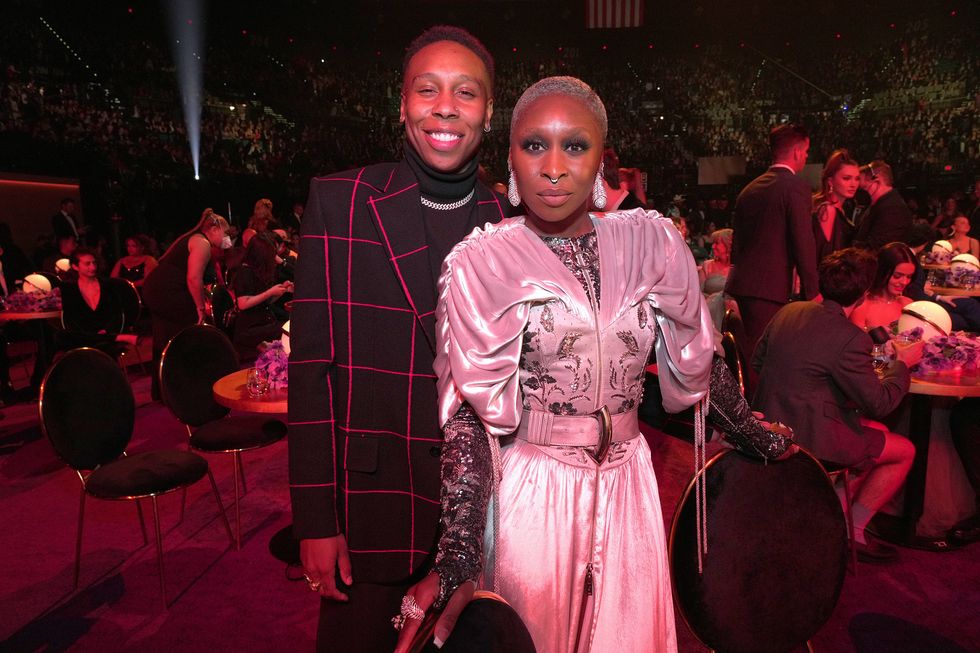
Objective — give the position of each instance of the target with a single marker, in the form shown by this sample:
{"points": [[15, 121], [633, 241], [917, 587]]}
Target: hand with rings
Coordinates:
{"points": [[314, 584], [416, 603]]}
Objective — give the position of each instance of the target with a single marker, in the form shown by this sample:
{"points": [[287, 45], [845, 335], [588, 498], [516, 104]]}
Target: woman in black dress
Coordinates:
{"points": [[137, 264], [174, 291], [255, 291], [838, 183]]}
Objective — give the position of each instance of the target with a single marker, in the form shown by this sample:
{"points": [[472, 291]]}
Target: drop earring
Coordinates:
{"points": [[513, 195], [599, 191]]}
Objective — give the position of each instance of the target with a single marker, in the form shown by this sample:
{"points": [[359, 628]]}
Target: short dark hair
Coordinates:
{"points": [[67, 200], [455, 34], [846, 274], [878, 169], [783, 138], [80, 252], [921, 233]]}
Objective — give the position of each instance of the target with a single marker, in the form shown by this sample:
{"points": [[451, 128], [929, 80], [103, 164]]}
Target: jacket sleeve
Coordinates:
{"points": [[800, 232], [312, 444], [855, 376]]}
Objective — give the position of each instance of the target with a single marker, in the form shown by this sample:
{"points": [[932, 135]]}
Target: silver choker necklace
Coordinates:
{"points": [[447, 207]]}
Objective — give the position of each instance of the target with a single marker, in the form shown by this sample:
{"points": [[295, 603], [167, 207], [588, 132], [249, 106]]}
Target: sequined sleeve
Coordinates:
{"points": [[467, 480], [731, 414]]}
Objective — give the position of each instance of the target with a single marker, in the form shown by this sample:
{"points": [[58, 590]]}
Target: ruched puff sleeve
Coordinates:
{"points": [[652, 259], [485, 292]]}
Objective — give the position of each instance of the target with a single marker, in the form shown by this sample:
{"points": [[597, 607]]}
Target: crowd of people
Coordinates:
{"points": [[910, 97]]}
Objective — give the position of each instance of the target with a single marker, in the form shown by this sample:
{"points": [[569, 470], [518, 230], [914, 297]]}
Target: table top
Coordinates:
{"points": [[935, 266], [10, 316], [946, 385], [957, 292], [229, 391]]}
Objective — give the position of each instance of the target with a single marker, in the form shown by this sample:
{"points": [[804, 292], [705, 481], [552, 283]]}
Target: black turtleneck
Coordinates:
{"points": [[439, 186], [443, 229]]}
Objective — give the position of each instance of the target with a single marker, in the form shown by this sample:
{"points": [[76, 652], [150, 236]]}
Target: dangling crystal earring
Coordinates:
{"points": [[599, 191], [513, 196]]}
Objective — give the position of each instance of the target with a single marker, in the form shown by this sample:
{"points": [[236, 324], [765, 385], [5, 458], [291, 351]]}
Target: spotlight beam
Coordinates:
{"points": [[186, 18]]}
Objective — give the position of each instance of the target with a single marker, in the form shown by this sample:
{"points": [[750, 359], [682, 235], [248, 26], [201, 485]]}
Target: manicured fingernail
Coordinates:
{"points": [[437, 641]]}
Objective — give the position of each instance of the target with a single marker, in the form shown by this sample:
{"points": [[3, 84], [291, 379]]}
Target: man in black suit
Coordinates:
{"points": [[65, 222], [773, 235], [888, 218], [364, 437], [815, 375]]}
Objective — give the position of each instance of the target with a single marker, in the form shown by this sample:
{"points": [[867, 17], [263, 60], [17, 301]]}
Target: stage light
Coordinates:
{"points": [[231, 107], [188, 32], [837, 36]]}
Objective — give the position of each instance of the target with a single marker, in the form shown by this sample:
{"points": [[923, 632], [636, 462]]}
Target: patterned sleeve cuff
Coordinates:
{"points": [[467, 479]]}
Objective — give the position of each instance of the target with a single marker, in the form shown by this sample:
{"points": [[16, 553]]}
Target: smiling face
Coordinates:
{"points": [[719, 249], [446, 104], [846, 181], [900, 278], [86, 266], [555, 151]]}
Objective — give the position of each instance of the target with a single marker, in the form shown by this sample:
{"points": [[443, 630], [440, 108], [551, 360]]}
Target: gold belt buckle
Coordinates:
{"points": [[605, 435]]}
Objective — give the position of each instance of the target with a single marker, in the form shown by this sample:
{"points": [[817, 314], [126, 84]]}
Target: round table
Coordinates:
{"points": [[956, 292], [230, 392], [42, 335], [923, 389], [13, 316]]}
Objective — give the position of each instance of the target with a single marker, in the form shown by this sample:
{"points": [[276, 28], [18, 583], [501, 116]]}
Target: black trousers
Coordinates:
{"points": [[363, 623], [964, 423], [756, 314]]}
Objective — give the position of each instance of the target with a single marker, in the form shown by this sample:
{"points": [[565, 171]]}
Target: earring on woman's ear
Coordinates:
{"points": [[599, 191], [513, 195]]}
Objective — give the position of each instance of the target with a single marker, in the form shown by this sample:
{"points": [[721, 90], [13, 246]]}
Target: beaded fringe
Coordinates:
{"points": [[700, 478]]}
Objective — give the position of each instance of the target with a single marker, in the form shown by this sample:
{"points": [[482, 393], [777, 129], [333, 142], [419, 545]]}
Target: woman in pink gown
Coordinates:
{"points": [[545, 325]]}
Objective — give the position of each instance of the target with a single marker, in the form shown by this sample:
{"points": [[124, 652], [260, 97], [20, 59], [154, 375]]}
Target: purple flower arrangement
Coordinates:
{"points": [[274, 360], [957, 353], [32, 302], [941, 257], [962, 278]]}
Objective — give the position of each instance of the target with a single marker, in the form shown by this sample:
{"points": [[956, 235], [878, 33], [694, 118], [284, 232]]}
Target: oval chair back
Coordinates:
{"points": [[732, 359], [777, 554], [192, 361], [129, 299], [87, 408]]}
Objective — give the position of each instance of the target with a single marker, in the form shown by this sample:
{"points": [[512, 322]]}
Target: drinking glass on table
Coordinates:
{"points": [[257, 382], [879, 360]]}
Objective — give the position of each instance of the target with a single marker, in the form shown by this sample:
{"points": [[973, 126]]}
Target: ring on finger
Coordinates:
{"points": [[314, 584], [410, 610]]}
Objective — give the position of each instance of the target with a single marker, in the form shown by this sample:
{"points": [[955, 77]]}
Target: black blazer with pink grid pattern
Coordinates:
{"points": [[364, 439]]}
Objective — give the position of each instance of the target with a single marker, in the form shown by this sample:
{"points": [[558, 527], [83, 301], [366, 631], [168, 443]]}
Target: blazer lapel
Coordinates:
{"points": [[397, 214]]}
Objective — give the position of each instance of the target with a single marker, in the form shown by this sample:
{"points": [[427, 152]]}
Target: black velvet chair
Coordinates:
{"points": [[192, 361], [87, 413], [486, 625], [732, 359], [132, 307], [776, 558]]}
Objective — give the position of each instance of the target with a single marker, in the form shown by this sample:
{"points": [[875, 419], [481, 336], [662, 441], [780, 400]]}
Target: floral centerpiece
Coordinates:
{"points": [[957, 353], [937, 256], [962, 277], [32, 302], [275, 361]]}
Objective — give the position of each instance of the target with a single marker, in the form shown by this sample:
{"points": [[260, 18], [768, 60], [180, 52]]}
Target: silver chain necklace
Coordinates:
{"points": [[447, 207]]}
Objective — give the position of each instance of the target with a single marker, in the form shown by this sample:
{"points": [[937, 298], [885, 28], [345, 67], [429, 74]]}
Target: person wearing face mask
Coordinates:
{"points": [[838, 183], [544, 326], [174, 290], [364, 438], [888, 218]]}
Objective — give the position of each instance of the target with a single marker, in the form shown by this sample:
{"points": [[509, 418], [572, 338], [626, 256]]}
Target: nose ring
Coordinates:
{"points": [[553, 181]]}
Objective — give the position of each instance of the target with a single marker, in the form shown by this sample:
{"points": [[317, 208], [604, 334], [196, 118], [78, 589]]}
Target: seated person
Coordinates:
{"points": [[91, 313], [884, 301], [963, 311], [65, 246], [255, 291], [815, 374], [137, 263]]}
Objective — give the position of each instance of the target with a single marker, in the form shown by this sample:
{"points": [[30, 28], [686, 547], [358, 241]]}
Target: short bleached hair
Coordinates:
{"points": [[568, 86]]}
